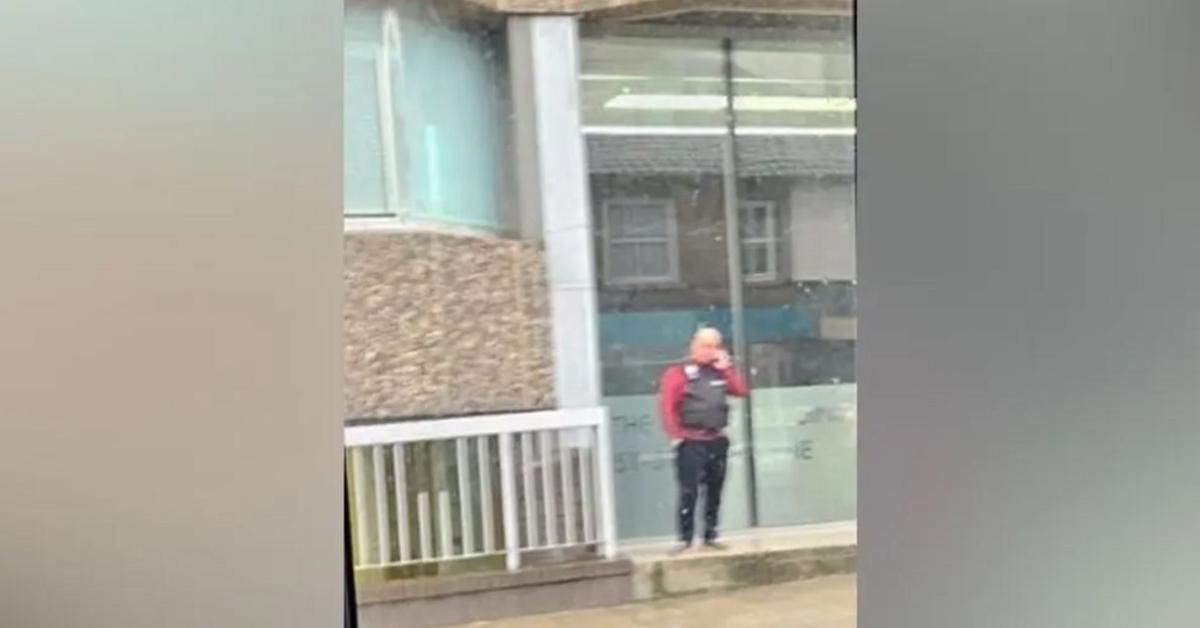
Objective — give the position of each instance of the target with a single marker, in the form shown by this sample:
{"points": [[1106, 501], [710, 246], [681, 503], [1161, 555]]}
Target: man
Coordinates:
{"points": [[694, 406]]}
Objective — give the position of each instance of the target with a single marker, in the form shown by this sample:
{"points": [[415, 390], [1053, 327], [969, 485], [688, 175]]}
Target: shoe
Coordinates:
{"points": [[715, 546], [679, 549]]}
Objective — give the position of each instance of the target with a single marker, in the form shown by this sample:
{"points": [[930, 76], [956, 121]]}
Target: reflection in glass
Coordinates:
{"points": [[674, 117], [796, 157]]}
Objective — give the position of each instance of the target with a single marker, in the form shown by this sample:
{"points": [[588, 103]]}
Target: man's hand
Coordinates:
{"points": [[723, 362]]}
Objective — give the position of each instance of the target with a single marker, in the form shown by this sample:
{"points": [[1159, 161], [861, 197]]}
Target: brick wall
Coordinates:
{"points": [[439, 325]]}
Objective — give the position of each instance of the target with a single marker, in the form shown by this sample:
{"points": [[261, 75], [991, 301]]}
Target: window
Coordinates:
{"points": [[760, 241], [640, 241], [425, 114]]}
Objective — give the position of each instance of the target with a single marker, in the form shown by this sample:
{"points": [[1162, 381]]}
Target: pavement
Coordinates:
{"points": [[829, 602]]}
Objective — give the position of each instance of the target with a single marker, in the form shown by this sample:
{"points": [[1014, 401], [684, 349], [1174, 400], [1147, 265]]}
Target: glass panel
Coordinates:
{"points": [[362, 144], [656, 98], [653, 111], [448, 109], [789, 83], [754, 222], [652, 82], [650, 220], [450, 91], [795, 148], [623, 261], [757, 259], [645, 329], [618, 219], [653, 260], [638, 219]]}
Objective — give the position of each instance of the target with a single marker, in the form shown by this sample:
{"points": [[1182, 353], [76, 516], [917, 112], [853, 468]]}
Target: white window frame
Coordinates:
{"points": [[671, 240], [771, 240]]}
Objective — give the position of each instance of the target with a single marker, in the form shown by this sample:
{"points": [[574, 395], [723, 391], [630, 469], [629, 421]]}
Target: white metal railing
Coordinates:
{"points": [[451, 489]]}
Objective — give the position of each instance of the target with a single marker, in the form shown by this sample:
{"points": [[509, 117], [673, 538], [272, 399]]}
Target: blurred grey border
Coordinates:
{"points": [[170, 311], [1030, 334]]}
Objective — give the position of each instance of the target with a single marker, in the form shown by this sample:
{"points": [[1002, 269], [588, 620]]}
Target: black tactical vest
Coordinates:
{"points": [[705, 404]]}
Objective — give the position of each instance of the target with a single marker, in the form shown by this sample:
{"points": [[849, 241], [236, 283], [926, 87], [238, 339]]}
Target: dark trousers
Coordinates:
{"points": [[700, 463]]}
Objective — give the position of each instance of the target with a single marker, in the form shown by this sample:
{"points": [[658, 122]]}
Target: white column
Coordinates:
{"points": [[552, 190]]}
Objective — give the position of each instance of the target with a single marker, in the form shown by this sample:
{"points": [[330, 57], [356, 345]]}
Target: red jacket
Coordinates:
{"points": [[671, 393]]}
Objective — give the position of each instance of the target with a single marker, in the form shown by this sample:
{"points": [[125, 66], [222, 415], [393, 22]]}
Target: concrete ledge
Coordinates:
{"points": [[444, 586], [450, 600], [717, 572], [751, 561]]}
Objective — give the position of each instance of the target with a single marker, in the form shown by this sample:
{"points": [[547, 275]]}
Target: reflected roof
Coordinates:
{"points": [[758, 155]]}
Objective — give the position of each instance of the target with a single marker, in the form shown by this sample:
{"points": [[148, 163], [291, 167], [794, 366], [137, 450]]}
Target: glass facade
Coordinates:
{"points": [[425, 114], [722, 175]]}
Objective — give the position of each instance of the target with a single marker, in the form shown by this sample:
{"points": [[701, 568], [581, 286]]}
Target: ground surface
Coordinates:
{"points": [[822, 603]]}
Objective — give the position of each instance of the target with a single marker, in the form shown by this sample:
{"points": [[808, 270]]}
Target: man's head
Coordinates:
{"points": [[706, 346]]}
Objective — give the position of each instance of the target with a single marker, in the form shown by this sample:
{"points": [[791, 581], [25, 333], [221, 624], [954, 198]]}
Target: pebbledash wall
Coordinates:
{"points": [[442, 324]]}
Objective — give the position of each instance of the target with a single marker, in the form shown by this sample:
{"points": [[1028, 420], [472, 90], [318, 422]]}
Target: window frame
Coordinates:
{"points": [[671, 239], [770, 240]]}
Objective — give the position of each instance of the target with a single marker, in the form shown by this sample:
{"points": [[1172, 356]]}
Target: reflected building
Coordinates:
{"points": [[721, 162]]}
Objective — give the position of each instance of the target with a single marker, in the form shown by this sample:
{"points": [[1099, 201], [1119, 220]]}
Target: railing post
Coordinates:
{"points": [[483, 450], [400, 473], [587, 487], [566, 466], [466, 516], [549, 509], [532, 537], [508, 503], [425, 532], [382, 528], [604, 473], [361, 522]]}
